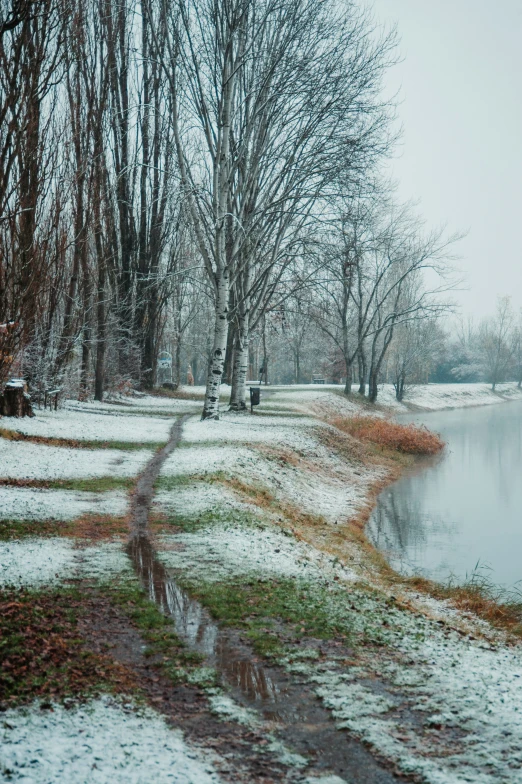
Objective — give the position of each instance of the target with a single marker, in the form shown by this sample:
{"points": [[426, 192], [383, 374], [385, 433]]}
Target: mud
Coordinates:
{"points": [[284, 703]]}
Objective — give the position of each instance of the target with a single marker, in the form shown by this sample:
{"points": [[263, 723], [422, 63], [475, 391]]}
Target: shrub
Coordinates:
{"points": [[408, 439]]}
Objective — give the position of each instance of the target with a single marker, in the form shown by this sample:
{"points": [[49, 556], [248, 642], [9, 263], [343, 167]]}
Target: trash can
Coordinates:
{"points": [[255, 395]]}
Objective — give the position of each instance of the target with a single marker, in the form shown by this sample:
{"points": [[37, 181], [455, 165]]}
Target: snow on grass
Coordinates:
{"points": [[229, 710], [48, 561], [442, 706], [102, 742], [434, 397], [207, 460], [246, 429], [79, 425], [222, 551], [198, 498], [26, 503], [25, 460], [323, 484]]}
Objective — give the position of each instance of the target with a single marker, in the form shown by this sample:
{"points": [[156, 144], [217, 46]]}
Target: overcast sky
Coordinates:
{"points": [[461, 152]]}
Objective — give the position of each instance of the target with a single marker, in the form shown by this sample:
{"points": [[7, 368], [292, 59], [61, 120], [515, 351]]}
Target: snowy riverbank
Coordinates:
{"points": [[244, 507]]}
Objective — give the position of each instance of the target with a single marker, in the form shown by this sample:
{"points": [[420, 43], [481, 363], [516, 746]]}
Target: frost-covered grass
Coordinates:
{"points": [[226, 551], [439, 705], [240, 428], [50, 561], [26, 503], [79, 425], [102, 742], [434, 397], [256, 502], [25, 460]]}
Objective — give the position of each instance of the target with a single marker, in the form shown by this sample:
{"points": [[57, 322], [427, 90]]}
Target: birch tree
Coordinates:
{"points": [[269, 100]]}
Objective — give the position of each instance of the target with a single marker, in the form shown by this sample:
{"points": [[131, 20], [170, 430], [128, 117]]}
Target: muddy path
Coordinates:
{"points": [[283, 703]]}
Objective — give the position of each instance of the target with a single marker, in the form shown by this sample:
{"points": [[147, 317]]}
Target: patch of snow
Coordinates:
{"points": [[35, 561], [197, 498], [224, 551], [25, 460], [243, 428], [27, 503], [324, 780], [439, 705], [79, 425], [125, 404], [434, 397], [229, 710], [102, 742], [208, 459]]}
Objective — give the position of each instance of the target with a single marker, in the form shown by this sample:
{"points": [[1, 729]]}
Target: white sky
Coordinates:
{"points": [[461, 153]]}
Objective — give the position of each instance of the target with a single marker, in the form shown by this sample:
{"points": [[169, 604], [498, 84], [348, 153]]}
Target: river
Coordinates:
{"points": [[462, 508]]}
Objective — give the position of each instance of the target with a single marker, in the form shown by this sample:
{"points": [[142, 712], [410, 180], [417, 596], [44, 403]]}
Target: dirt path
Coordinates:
{"points": [[283, 704]]}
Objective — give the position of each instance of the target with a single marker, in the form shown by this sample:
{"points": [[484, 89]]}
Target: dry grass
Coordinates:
{"points": [[406, 439], [478, 596]]}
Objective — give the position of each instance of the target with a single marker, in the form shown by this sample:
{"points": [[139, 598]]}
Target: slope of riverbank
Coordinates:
{"points": [[257, 525]]}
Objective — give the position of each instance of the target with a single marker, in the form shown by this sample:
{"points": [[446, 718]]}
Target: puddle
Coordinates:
{"points": [[200, 633]]}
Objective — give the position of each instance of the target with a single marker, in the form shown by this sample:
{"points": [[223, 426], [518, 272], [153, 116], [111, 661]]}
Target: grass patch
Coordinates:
{"points": [[215, 516], [100, 484], [279, 614], [173, 483], [43, 655], [164, 647], [406, 439], [88, 527], [480, 596]]}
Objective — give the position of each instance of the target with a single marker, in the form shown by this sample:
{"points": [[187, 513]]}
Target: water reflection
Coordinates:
{"points": [[197, 629], [464, 508]]}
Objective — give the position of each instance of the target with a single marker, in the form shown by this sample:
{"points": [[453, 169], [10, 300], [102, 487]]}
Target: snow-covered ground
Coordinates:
{"points": [[28, 503], [434, 701], [439, 705], [130, 404], [91, 426], [434, 397], [225, 551], [96, 743], [25, 460], [51, 561]]}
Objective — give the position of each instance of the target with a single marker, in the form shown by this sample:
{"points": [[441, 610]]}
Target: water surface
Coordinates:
{"points": [[462, 508]]}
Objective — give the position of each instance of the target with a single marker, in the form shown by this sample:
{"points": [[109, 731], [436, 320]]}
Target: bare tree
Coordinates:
{"points": [[495, 344]]}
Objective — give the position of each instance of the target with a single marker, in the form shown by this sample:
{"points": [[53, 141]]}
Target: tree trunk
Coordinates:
{"points": [[361, 360], [15, 402], [238, 394], [101, 343], [348, 384], [217, 357]]}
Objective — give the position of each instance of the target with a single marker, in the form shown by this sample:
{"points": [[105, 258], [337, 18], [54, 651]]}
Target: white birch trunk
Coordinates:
{"points": [[239, 373], [217, 359]]}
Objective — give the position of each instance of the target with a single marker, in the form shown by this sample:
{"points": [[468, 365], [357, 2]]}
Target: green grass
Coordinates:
{"points": [[128, 446], [259, 607], [163, 645], [20, 529], [173, 483], [101, 484], [279, 614]]}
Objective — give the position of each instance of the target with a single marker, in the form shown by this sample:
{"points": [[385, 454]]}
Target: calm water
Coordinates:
{"points": [[462, 508]]}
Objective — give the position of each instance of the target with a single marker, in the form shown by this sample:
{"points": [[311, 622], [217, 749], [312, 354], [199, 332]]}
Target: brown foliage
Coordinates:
{"points": [[42, 652], [408, 439]]}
